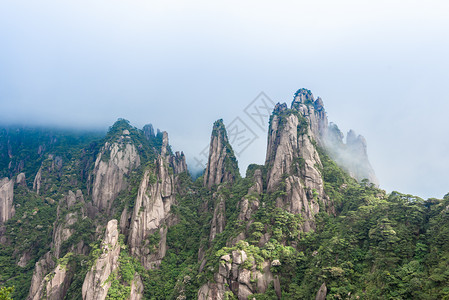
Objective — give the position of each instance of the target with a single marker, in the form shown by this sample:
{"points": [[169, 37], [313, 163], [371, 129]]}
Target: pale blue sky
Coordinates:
{"points": [[381, 67]]}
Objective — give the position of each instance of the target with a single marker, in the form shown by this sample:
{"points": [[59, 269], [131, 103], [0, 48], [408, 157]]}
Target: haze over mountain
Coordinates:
{"points": [[90, 216], [381, 67]]}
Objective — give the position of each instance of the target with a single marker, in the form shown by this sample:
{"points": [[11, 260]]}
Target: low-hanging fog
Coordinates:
{"points": [[381, 68]]}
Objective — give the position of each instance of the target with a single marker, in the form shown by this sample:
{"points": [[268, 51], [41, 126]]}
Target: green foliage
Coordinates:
{"points": [[375, 246], [5, 293], [23, 149]]}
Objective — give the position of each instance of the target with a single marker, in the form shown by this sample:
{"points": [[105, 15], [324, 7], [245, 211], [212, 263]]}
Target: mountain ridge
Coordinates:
{"points": [[119, 217]]}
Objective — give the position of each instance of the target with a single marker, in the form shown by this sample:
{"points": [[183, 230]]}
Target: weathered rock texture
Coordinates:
{"points": [[52, 286], [6, 199], [322, 292], [136, 288], [218, 222], [147, 236], [51, 281], [232, 276], [96, 286], [113, 163], [38, 282], [293, 162], [62, 230], [178, 163], [222, 164], [20, 180], [351, 156]]}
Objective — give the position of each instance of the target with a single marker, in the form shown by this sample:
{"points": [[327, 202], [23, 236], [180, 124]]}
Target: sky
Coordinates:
{"points": [[381, 67]]}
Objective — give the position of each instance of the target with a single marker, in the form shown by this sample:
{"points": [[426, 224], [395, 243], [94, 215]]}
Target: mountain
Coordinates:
{"points": [[86, 215]]}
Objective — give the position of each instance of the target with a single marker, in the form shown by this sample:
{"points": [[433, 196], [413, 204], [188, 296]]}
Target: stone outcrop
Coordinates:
{"points": [[222, 164], [178, 162], [113, 163], [232, 276], [62, 230], [136, 288], [20, 180], [37, 181], [250, 203], [51, 281], [6, 199], [58, 282], [147, 236], [41, 270], [96, 286], [52, 286], [218, 222], [322, 292], [292, 159]]}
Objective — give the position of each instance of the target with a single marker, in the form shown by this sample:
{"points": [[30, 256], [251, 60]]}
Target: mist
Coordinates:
{"points": [[381, 68]]}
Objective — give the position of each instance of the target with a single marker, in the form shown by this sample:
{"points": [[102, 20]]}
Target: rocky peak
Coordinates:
{"points": [[117, 158], [303, 96], [313, 110], [351, 156], [293, 161], [222, 165]]}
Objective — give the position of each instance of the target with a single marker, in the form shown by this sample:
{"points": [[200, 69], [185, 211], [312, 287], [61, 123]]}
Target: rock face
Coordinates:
{"points": [[313, 111], [351, 156], [178, 163], [322, 292], [6, 198], [54, 285], [113, 163], [38, 280], [218, 222], [20, 180], [136, 288], [95, 286], [292, 160], [222, 164], [63, 231], [58, 283], [232, 276], [147, 236]]}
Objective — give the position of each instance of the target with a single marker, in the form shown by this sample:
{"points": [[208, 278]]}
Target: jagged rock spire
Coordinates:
{"points": [[222, 164], [351, 156], [293, 161]]}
